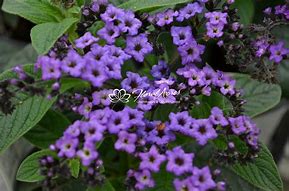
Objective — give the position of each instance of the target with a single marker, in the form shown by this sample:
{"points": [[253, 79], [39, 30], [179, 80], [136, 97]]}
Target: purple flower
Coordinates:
{"points": [[73, 64], [118, 122], [280, 9], [202, 131], [180, 121], [112, 68], [202, 179], [278, 52], [87, 154], [93, 131], [144, 180], [261, 46], [181, 35], [126, 142], [86, 40], [101, 115], [138, 47], [179, 162], [109, 33], [268, 11], [135, 117], [216, 18], [99, 5], [184, 185], [111, 14], [160, 70], [151, 160], [196, 77], [191, 52], [116, 53], [209, 75], [217, 117], [237, 125], [50, 67], [227, 86], [94, 73], [129, 24], [215, 31], [67, 147], [73, 130], [160, 136], [165, 18], [134, 82], [101, 97], [96, 53], [189, 11], [85, 108]]}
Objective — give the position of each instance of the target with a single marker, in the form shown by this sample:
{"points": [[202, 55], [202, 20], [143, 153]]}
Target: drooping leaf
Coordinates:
{"points": [[262, 173], [29, 170], [48, 130], [260, 97], [137, 5], [37, 11], [44, 36]]}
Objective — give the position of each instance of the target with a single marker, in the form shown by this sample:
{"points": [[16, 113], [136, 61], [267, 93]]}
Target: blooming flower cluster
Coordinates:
{"points": [[100, 59], [216, 24]]}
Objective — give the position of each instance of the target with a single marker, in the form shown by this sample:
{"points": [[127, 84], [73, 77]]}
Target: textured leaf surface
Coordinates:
{"points": [[262, 173], [74, 166], [37, 11], [137, 5], [28, 112], [260, 97], [29, 169], [44, 36]]}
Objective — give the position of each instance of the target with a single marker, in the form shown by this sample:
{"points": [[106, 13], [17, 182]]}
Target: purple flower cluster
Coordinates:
{"points": [[188, 48], [277, 52], [205, 79], [99, 59], [216, 24]]}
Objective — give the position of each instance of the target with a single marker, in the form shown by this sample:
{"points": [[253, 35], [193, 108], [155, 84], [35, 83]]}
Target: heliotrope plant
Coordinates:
{"points": [[141, 108]]}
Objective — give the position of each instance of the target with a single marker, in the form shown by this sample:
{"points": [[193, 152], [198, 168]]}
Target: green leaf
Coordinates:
{"points": [[260, 97], [48, 130], [162, 112], [25, 116], [107, 186], [29, 170], [29, 111], [37, 11], [262, 173], [235, 183], [45, 35], [74, 166], [203, 110], [137, 5], [163, 181], [246, 10]]}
